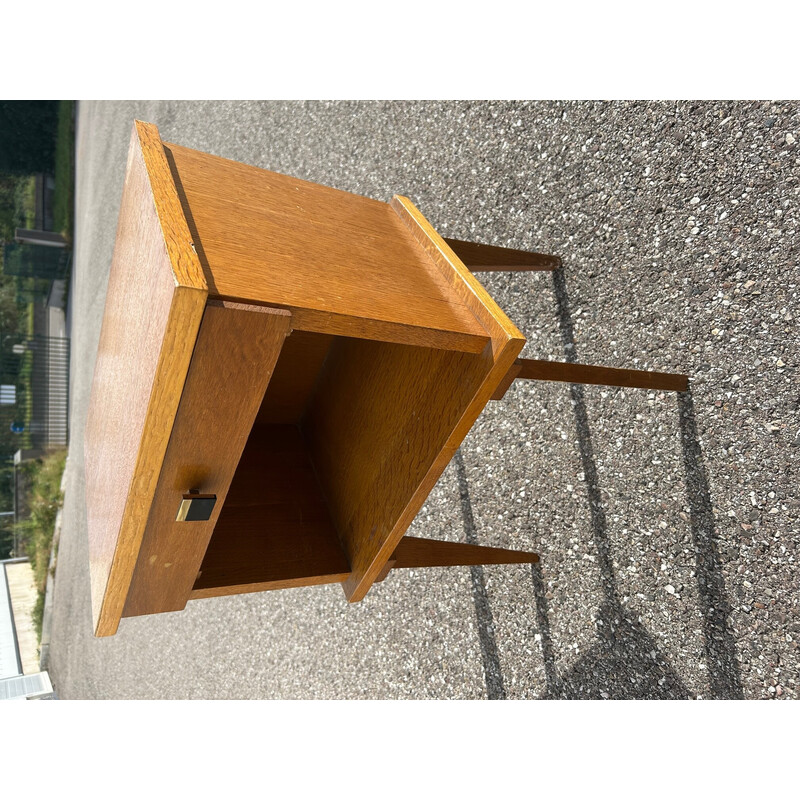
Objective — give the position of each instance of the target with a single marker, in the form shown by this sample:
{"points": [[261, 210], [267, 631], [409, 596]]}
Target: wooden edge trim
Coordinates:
{"points": [[306, 319], [185, 316], [477, 299], [245, 588], [185, 262], [217, 302], [328, 322]]}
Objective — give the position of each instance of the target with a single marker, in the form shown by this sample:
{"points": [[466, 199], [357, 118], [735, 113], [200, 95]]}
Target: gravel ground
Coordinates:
{"points": [[667, 524]]}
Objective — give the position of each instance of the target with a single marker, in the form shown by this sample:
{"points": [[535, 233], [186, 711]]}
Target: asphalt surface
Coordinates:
{"points": [[668, 525]]}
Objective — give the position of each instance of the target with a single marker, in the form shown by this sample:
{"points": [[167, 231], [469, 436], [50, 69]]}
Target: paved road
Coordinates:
{"points": [[667, 524]]}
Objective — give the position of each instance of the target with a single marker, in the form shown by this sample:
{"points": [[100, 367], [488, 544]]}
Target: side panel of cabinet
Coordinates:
{"points": [[233, 360], [154, 304]]}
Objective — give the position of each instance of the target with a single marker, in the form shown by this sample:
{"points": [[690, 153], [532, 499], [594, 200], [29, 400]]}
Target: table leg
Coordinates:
{"points": [[532, 369], [488, 258], [414, 552]]}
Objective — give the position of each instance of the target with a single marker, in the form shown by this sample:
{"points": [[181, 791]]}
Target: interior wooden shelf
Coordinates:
{"points": [[317, 449], [274, 526]]}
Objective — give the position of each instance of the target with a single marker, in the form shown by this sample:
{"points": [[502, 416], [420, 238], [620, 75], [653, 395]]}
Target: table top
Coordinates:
{"points": [[342, 263]]}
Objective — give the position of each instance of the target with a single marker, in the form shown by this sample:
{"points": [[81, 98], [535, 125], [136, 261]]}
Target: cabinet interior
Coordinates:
{"points": [[346, 432]]}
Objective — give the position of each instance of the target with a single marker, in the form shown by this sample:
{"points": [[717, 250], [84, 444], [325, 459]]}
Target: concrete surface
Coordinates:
{"points": [[668, 525], [22, 590]]}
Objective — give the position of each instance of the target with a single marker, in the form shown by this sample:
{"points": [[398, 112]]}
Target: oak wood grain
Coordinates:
{"points": [[275, 525], [380, 417], [296, 372], [325, 322], [342, 263], [462, 281], [234, 357], [415, 552], [385, 420], [154, 304]]}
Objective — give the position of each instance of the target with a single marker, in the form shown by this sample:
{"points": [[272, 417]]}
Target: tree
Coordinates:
{"points": [[28, 136]]}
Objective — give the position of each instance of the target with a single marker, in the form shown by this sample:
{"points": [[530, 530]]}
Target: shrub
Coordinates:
{"points": [[36, 533]]}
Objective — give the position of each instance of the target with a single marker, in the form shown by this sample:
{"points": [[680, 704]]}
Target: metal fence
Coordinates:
{"points": [[34, 391], [36, 261]]}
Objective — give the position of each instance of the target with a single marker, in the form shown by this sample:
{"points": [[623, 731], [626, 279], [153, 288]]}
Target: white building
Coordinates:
{"points": [[20, 678]]}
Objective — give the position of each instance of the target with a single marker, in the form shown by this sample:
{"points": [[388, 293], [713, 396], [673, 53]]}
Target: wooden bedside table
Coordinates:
{"points": [[284, 371]]}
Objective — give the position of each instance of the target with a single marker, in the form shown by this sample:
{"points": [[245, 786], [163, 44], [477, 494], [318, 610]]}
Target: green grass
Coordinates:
{"points": [[36, 533], [25, 201], [64, 170]]}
